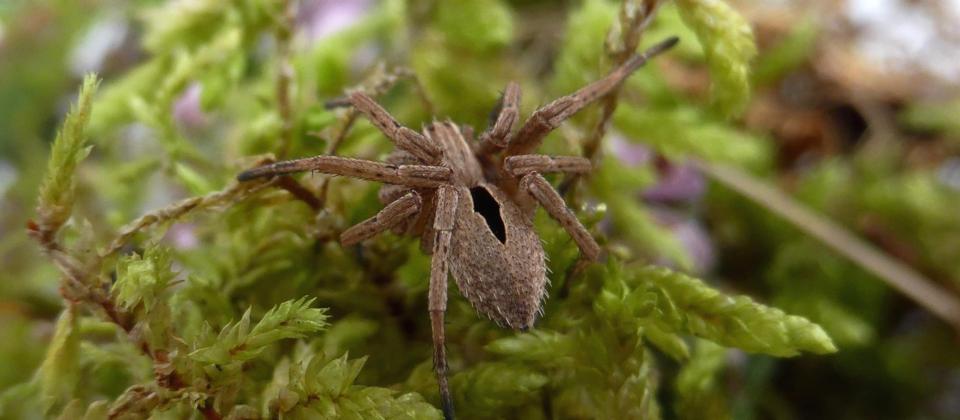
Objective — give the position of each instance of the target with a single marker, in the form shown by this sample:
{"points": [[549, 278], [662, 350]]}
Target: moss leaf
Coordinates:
{"points": [[728, 44], [679, 303], [69, 148]]}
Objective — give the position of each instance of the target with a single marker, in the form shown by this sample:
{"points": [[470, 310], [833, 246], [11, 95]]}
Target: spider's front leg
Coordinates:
{"points": [[419, 176], [405, 138], [443, 225], [549, 117], [507, 112]]}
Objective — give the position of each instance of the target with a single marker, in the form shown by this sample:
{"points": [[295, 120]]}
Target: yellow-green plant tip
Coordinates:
{"points": [[813, 338], [69, 148], [142, 279], [729, 47], [687, 305], [238, 342], [492, 15]]}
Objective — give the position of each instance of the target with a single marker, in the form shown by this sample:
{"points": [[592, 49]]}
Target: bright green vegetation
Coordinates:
{"points": [[238, 302]]}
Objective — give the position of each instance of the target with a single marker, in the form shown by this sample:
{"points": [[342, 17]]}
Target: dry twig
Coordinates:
{"points": [[923, 291], [233, 194]]}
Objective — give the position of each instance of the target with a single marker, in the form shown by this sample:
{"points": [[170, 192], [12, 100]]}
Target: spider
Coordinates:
{"points": [[472, 202]]}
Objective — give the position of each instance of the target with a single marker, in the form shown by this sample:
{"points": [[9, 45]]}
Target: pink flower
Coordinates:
{"points": [[678, 183], [633, 154], [187, 111], [321, 18], [183, 236]]}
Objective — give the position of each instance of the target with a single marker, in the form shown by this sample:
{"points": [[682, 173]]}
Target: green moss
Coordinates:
{"points": [[69, 148], [237, 300], [728, 45]]}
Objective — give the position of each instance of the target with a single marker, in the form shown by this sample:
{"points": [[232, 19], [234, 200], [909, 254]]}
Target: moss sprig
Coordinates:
{"points": [[680, 303], [57, 192], [239, 342], [728, 45]]}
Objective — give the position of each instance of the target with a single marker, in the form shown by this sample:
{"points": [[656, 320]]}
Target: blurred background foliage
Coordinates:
{"points": [[161, 288]]}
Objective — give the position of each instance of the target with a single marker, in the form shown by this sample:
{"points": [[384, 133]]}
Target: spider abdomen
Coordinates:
{"points": [[498, 265]]}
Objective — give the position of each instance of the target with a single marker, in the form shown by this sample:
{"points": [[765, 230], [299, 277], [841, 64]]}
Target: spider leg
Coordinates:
{"points": [[548, 117], [423, 176], [405, 139], [507, 112], [521, 165], [467, 131], [541, 190], [390, 193], [392, 215], [443, 225]]}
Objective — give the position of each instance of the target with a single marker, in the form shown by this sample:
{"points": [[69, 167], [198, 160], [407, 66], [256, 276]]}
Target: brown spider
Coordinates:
{"points": [[472, 205]]}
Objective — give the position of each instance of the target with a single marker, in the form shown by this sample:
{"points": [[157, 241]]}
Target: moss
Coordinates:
{"points": [[186, 294]]}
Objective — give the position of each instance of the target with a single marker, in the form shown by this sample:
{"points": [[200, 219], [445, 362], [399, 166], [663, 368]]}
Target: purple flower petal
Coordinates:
{"points": [[183, 236], [678, 183], [321, 18], [187, 110], [632, 154]]}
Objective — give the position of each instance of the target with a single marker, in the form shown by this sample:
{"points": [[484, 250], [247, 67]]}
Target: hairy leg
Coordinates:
{"points": [[381, 82], [423, 176], [405, 139], [541, 190], [389, 193], [443, 225], [548, 117], [392, 215], [521, 165], [507, 112]]}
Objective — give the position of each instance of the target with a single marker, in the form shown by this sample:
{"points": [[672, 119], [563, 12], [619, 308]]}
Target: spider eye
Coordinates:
{"points": [[489, 208]]}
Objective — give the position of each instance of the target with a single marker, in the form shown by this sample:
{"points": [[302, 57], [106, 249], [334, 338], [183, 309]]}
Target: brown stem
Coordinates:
{"points": [[172, 212], [77, 287], [300, 192]]}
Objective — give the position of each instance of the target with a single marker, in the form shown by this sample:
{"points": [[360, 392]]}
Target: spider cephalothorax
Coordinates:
{"points": [[472, 203]]}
